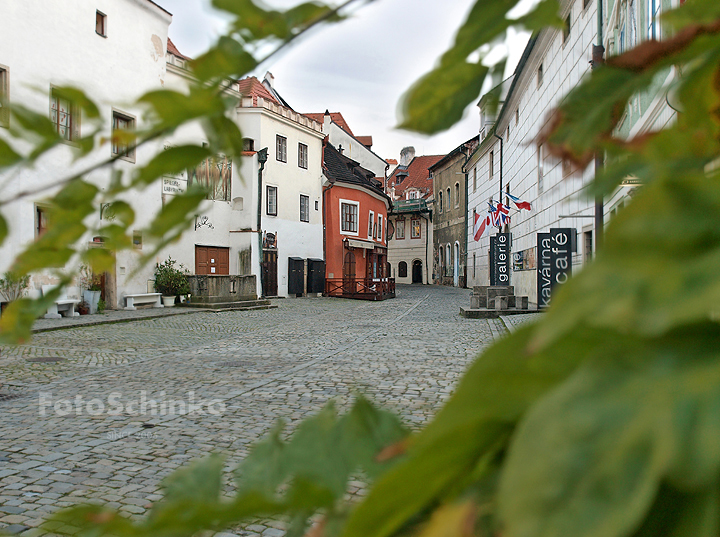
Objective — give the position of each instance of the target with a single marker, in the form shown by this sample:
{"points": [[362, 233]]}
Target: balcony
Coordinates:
{"points": [[362, 289]]}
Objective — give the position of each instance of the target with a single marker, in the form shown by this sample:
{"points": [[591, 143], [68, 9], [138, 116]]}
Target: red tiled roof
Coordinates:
{"points": [[336, 117], [172, 49], [365, 140], [391, 161], [417, 176], [252, 87]]}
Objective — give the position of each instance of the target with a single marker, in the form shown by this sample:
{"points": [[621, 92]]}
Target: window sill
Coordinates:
{"points": [[104, 36]]}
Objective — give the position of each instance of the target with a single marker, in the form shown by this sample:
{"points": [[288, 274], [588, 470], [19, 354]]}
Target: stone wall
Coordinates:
{"points": [[211, 288]]}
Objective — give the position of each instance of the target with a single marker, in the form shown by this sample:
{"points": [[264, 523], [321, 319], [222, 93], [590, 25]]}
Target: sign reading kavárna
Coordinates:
{"points": [[554, 261]]}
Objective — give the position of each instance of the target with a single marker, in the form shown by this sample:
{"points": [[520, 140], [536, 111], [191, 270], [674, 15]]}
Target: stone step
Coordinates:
{"points": [[242, 304]]}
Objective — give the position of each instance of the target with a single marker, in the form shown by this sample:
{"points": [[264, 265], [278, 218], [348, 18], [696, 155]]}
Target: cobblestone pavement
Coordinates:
{"points": [[406, 354]]}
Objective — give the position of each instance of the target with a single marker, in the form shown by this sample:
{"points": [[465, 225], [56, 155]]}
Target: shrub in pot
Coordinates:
{"points": [[171, 280]]}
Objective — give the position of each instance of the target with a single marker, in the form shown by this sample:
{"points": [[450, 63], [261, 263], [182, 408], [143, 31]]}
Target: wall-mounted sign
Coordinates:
{"points": [[500, 259], [554, 262], [174, 185]]}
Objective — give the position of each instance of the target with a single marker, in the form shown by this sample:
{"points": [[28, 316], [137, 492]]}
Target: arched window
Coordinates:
{"points": [[447, 201], [440, 205], [402, 269], [457, 194]]}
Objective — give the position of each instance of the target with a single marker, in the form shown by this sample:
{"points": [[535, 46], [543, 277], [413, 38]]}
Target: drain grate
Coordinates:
{"points": [[46, 360], [234, 363]]}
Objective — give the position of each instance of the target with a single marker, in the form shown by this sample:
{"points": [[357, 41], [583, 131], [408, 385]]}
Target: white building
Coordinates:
{"points": [[553, 63], [115, 51]]}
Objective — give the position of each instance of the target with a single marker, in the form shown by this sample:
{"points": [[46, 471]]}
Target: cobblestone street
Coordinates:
{"points": [[406, 354]]}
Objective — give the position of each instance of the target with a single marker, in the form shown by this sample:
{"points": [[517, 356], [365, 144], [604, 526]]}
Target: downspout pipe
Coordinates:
{"points": [[598, 59], [262, 159]]}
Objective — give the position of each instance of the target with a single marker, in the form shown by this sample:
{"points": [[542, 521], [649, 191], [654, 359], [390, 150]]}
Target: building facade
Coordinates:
{"points": [[450, 215], [509, 160], [410, 248], [356, 215]]}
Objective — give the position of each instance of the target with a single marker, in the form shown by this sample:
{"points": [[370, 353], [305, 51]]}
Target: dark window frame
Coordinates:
{"points": [[280, 148], [303, 152], [100, 23], [268, 190], [306, 199], [128, 151]]}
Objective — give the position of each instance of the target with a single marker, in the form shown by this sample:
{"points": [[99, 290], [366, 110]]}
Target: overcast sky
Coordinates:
{"points": [[359, 67]]}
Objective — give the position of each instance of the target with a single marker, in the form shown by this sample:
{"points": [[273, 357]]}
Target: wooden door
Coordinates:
{"points": [[269, 273], [212, 260]]}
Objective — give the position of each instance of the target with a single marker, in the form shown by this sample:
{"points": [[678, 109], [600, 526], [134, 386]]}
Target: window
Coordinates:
{"points": [[566, 27], [64, 116], [474, 179], [137, 240], [507, 133], [447, 198], [281, 148], [402, 269], [491, 164], [474, 265], [215, 175], [653, 19], [271, 200], [349, 217], [415, 229], [4, 96], [380, 228], [517, 117], [540, 75], [540, 166], [122, 137], [440, 202], [304, 208], [41, 221], [100, 23], [457, 194], [317, 205], [413, 195], [248, 144], [400, 229], [371, 223], [303, 156]]}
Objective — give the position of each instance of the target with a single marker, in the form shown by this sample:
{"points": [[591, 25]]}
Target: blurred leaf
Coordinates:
{"points": [[453, 520], [172, 161], [18, 317], [675, 514], [589, 457], [437, 101], [4, 230], [224, 135], [199, 481], [226, 59], [103, 259], [79, 99], [171, 108], [119, 210], [8, 157]]}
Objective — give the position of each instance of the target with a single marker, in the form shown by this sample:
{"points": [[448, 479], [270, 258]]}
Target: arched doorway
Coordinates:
{"points": [[417, 271], [456, 265], [402, 269]]}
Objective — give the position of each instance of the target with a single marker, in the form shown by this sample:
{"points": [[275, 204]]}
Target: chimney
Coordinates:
{"points": [[406, 155], [270, 79]]}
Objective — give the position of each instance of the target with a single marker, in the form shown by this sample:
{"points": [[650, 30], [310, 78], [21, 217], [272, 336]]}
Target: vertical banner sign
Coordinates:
{"points": [[554, 261], [544, 270], [500, 257]]}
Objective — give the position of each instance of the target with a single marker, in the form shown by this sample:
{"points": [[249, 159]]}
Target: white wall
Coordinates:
{"points": [[113, 70], [353, 149]]}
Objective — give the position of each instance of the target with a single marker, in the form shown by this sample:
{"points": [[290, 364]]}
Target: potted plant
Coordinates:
{"points": [[91, 288], [171, 281], [12, 287]]}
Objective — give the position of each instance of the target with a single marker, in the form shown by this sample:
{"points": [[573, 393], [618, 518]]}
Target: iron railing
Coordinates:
{"points": [[364, 289]]}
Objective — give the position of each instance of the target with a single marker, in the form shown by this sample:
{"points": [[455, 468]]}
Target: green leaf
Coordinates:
{"points": [[171, 108], [172, 161], [492, 396], [545, 15], [79, 99], [17, 319], [200, 481], [226, 59], [589, 457], [437, 101], [4, 229], [8, 157], [676, 514]]}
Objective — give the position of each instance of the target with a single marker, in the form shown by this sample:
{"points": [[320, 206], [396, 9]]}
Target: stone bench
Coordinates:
{"points": [[63, 305], [143, 298]]}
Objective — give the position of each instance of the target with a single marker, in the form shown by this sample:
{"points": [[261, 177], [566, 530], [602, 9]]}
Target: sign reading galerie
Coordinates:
{"points": [[554, 263], [500, 257]]}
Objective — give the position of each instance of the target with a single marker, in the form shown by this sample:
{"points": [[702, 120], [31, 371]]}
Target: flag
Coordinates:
{"points": [[482, 226], [520, 204], [499, 215]]}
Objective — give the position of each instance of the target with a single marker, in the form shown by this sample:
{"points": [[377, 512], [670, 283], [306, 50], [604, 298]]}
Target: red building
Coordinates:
{"points": [[355, 216]]}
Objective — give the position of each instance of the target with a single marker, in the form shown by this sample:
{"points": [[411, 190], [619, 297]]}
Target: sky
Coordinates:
{"points": [[359, 67]]}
